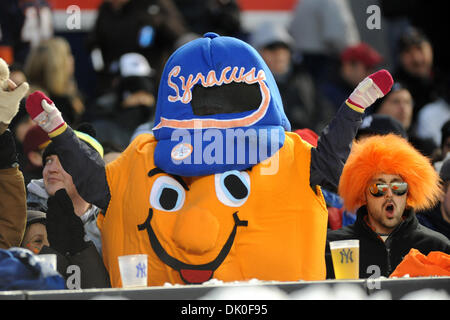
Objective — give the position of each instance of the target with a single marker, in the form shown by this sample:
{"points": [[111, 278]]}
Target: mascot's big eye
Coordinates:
{"points": [[232, 187], [167, 194]]}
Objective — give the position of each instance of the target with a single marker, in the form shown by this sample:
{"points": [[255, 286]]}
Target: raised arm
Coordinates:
{"points": [[83, 163], [335, 142]]}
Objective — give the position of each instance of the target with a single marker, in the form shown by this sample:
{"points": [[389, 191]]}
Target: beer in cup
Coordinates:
{"points": [[345, 256]]}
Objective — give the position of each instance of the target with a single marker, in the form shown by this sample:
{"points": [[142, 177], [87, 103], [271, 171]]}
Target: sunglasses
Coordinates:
{"points": [[380, 189]]}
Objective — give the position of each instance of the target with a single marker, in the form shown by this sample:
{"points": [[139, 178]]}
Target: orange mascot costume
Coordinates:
{"points": [[221, 189]]}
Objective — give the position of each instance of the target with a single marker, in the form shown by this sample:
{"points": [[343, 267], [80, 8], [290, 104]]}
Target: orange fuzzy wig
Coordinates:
{"points": [[388, 154]]}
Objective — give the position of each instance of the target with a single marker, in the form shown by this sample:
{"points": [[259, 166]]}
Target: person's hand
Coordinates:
{"points": [[44, 112], [375, 86], [10, 95], [65, 230]]}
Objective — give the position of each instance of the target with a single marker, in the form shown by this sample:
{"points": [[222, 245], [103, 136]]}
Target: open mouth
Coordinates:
{"points": [[389, 208], [191, 274]]}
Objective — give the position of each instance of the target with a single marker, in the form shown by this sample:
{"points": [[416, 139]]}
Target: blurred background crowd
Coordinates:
{"points": [[101, 61]]}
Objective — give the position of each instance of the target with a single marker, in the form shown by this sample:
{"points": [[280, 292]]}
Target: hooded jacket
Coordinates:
{"points": [[386, 254]]}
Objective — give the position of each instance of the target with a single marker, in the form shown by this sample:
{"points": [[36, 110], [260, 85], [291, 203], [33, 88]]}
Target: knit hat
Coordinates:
{"points": [[218, 109], [389, 154], [85, 137], [380, 124], [308, 135], [36, 139], [362, 53], [35, 216]]}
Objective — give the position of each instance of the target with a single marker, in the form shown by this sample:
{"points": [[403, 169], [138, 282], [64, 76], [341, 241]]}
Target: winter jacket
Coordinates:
{"points": [[92, 272], [433, 219], [37, 197], [13, 210], [373, 251]]}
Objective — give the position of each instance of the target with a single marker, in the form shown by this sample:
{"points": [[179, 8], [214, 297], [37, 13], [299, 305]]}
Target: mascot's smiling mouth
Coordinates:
{"points": [[189, 273]]}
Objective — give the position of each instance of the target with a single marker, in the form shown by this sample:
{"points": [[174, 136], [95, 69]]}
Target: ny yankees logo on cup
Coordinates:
{"points": [[346, 255]]}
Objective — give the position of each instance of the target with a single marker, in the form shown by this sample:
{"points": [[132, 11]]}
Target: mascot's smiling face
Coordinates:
{"points": [[203, 230]]}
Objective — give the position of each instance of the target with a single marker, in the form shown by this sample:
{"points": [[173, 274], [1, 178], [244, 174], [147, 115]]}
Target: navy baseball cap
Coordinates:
{"points": [[218, 109]]}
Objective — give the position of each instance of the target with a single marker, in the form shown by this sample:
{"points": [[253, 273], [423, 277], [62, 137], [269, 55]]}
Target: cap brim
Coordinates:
{"points": [[210, 151]]}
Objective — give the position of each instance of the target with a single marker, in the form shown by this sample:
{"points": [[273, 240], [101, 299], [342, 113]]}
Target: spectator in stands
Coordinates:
{"points": [[12, 194], [356, 63], [399, 104], [415, 68], [35, 236], [70, 223], [387, 180], [55, 178], [302, 103], [130, 104], [322, 29], [34, 144], [92, 272], [50, 66], [438, 218], [433, 115], [375, 124], [148, 27], [429, 16]]}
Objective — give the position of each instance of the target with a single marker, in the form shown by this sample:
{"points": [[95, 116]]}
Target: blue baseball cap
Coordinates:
{"points": [[218, 109]]}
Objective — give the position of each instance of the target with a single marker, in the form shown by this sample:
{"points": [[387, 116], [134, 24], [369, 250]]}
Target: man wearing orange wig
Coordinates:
{"points": [[388, 180]]}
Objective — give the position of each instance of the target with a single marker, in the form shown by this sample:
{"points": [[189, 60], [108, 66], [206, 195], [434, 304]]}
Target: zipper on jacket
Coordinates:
{"points": [[389, 266]]}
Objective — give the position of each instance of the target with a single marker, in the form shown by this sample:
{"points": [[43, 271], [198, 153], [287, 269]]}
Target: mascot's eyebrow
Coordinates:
{"points": [[157, 170]]}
